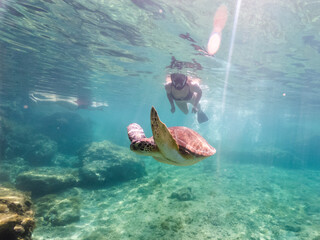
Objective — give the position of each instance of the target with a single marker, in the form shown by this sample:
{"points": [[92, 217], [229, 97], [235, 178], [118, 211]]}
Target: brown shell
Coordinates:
{"points": [[191, 143]]}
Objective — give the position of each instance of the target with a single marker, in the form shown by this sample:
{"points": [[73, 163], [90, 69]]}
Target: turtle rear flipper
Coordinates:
{"points": [[135, 132], [161, 134]]}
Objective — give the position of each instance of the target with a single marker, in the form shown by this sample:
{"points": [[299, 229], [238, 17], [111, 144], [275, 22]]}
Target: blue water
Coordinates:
{"points": [[75, 74]]}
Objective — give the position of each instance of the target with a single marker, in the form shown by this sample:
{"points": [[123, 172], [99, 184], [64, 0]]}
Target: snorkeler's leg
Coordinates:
{"points": [[183, 106], [201, 116], [193, 101]]}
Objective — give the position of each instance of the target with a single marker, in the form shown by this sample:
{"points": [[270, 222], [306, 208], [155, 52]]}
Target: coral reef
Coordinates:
{"points": [[16, 215], [105, 163]]}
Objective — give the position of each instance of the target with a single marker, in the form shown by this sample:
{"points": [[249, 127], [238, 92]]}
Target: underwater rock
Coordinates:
{"points": [[57, 210], [105, 163], [68, 161], [45, 180], [11, 168], [17, 140], [22, 141], [69, 130], [183, 194], [41, 150], [16, 215]]}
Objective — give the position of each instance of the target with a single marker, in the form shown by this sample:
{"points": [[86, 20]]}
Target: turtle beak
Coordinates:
{"points": [[133, 146]]}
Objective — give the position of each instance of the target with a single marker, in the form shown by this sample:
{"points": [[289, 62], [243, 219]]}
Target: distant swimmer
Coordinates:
{"points": [[182, 90], [71, 103]]}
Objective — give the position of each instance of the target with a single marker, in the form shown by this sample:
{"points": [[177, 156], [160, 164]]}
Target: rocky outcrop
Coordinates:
{"points": [[41, 150], [16, 215], [45, 180], [21, 141], [105, 163]]}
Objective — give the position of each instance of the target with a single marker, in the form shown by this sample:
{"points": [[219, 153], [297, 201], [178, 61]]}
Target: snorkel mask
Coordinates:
{"points": [[178, 80]]}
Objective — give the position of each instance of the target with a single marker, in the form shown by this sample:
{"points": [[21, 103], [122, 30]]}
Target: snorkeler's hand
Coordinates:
{"points": [[194, 110], [173, 109]]}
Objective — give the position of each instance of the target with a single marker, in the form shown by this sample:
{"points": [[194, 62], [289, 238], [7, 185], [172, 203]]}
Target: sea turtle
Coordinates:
{"points": [[180, 146]]}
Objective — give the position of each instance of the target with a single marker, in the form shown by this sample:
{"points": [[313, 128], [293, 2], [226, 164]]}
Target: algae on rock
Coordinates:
{"points": [[16, 215]]}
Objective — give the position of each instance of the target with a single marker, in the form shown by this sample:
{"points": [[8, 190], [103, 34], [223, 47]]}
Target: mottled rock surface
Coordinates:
{"points": [[16, 215], [45, 180], [105, 163]]}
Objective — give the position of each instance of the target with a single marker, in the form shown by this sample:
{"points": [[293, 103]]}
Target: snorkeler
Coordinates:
{"points": [[182, 90]]}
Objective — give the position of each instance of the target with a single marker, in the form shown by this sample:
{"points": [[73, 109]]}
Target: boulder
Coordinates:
{"points": [[105, 163], [16, 215], [22, 141], [66, 161], [45, 180]]}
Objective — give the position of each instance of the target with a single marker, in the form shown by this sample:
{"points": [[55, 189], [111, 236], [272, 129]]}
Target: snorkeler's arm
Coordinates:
{"points": [[169, 96], [194, 87]]}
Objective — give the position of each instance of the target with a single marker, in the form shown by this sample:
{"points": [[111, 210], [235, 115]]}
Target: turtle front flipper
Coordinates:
{"points": [[161, 134], [135, 132]]}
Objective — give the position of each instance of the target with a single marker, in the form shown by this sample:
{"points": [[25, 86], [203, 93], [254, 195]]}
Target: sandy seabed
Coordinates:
{"points": [[224, 201]]}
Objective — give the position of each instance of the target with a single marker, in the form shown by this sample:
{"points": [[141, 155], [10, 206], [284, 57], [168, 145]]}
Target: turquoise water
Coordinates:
{"points": [[75, 74]]}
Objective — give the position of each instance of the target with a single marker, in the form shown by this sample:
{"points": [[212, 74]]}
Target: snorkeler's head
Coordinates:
{"points": [[178, 80]]}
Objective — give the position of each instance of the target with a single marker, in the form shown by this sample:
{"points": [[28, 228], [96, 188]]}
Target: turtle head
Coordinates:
{"points": [[139, 143], [145, 146]]}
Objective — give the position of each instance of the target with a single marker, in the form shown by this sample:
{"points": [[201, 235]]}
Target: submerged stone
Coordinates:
{"points": [[16, 215], [45, 180], [105, 163]]}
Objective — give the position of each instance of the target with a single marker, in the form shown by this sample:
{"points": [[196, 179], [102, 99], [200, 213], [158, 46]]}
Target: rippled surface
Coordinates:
{"points": [[69, 47]]}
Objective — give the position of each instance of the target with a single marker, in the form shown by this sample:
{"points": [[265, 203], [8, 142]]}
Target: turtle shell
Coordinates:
{"points": [[191, 143]]}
